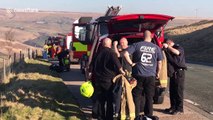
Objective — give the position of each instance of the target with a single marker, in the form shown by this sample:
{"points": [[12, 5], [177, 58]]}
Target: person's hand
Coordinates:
{"points": [[122, 71], [89, 76], [165, 45], [133, 64], [115, 43], [158, 76], [132, 81]]}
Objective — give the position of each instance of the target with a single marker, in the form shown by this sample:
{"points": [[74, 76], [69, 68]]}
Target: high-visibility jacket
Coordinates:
{"points": [[127, 103], [46, 47]]}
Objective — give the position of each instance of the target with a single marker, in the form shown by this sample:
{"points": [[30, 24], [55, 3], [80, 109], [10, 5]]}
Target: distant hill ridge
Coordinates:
{"points": [[196, 38], [189, 28]]}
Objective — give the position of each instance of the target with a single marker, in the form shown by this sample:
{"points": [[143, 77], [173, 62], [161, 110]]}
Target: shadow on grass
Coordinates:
{"points": [[73, 79], [41, 67], [45, 94]]}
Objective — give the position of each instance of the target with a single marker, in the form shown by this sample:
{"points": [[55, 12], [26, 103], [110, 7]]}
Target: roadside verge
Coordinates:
{"points": [[35, 92]]}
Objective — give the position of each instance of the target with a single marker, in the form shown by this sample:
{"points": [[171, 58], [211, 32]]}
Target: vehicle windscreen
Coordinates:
{"points": [[103, 29]]}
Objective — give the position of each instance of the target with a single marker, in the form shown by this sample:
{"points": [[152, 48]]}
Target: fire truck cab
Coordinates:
{"points": [[86, 30]]}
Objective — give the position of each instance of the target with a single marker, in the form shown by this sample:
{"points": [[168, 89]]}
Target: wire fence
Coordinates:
{"points": [[9, 62]]}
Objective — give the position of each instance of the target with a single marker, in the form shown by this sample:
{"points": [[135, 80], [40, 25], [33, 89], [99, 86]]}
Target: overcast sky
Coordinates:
{"points": [[190, 8]]}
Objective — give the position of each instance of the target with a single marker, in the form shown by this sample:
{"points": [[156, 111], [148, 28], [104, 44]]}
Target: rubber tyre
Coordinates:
{"points": [[159, 95], [159, 99]]}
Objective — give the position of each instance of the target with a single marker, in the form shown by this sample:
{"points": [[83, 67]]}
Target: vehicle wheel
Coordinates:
{"points": [[159, 99], [159, 95]]}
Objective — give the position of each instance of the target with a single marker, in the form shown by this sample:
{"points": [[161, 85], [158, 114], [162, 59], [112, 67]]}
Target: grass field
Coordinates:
{"points": [[36, 93]]}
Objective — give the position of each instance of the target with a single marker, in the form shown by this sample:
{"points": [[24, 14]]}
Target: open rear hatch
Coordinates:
{"points": [[137, 23]]}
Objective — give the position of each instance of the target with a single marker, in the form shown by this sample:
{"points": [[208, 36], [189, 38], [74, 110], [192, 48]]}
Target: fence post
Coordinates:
{"points": [[36, 54], [14, 58], [23, 57], [10, 65], [4, 70], [29, 53], [20, 57], [33, 53]]}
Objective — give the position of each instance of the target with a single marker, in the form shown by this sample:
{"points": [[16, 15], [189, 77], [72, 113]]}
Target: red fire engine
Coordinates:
{"points": [[62, 41], [85, 29], [132, 27]]}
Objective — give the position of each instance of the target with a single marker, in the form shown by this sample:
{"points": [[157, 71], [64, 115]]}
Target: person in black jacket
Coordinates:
{"points": [[117, 91], [105, 67], [64, 54], [176, 72]]}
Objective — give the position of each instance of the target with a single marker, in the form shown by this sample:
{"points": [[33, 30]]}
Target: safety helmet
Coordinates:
{"points": [[87, 89], [66, 61]]}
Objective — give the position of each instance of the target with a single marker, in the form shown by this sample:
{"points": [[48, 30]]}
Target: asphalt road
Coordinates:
{"points": [[199, 86], [198, 90]]}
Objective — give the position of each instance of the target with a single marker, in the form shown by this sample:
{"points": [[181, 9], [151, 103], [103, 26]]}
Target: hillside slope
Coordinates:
{"points": [[33, 29], [36, 93], [181, 21], [197, 39]]}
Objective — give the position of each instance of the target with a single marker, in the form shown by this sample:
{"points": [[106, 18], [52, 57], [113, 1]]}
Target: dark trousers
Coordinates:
{"points": [[117, 91], [176, 90], [144, 90], [60, 61], [103, 102]]}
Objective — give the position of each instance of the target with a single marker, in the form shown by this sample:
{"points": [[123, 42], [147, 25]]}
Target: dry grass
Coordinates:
{"points": [[197, 40], [32, 29], [186, 29], [35, 93]]}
